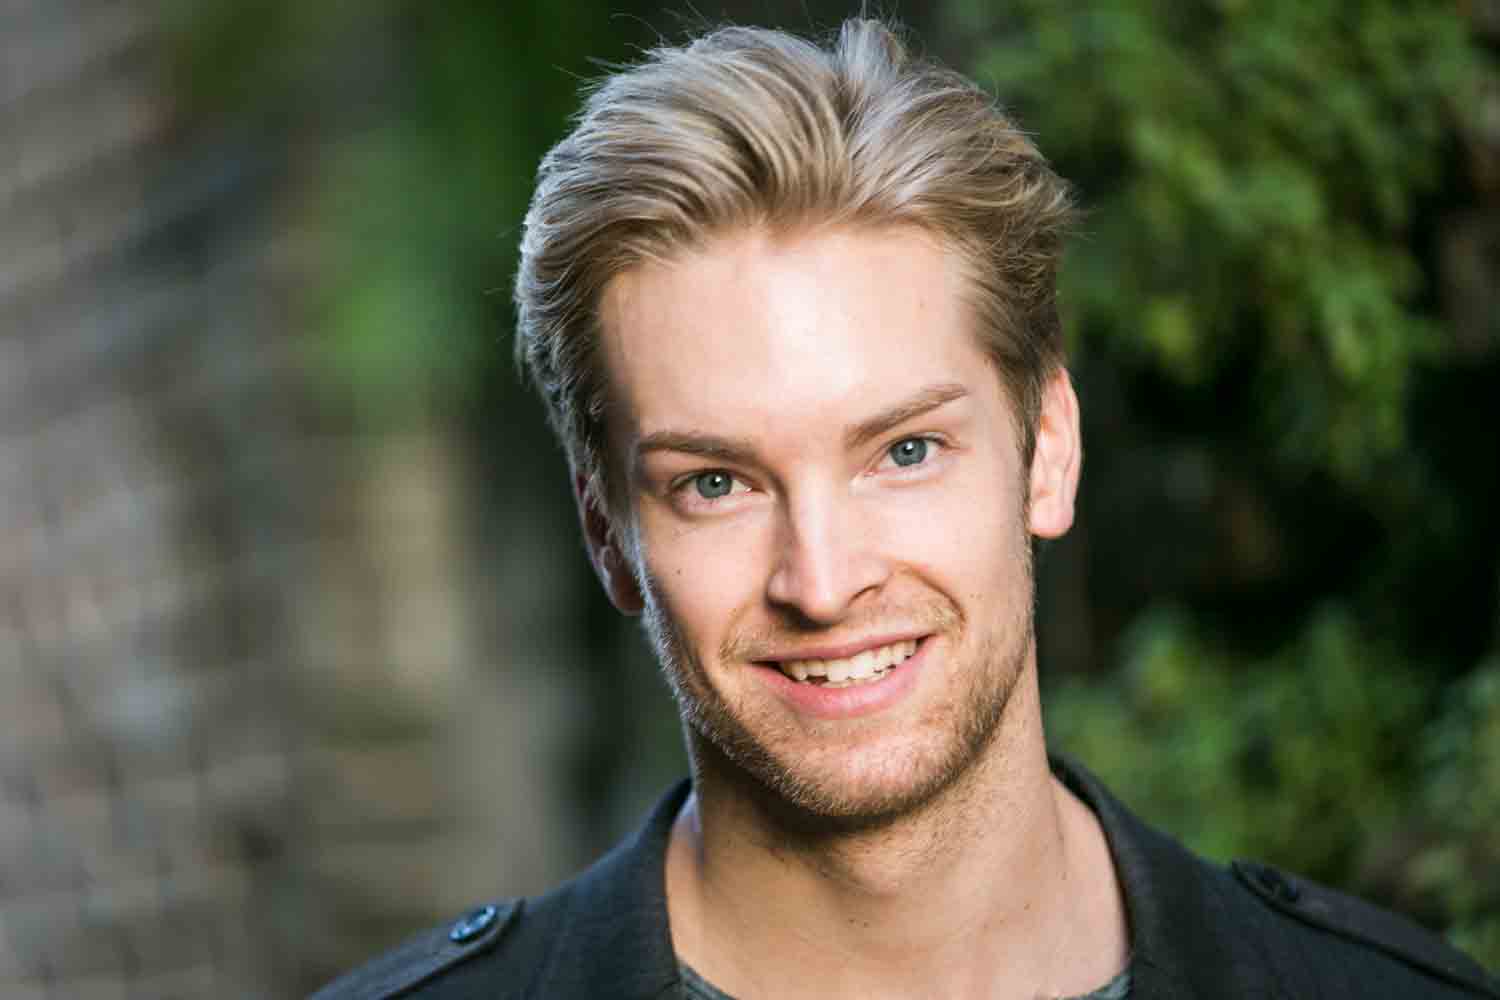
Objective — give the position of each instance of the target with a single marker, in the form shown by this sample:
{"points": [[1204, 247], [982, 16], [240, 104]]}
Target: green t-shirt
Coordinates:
{"points": [[695, 987]]}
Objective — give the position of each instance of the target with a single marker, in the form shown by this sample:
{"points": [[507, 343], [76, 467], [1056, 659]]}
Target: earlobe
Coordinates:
{"points": [[619, 582], [1057, 459], [609, 561]]}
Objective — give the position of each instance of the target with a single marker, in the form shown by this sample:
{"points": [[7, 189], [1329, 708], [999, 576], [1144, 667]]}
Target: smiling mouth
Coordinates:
{"points": [[863, 668]]}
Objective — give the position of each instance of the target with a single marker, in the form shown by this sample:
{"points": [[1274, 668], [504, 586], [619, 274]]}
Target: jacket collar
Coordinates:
{"points": [[617, 940], [1188, 932]]}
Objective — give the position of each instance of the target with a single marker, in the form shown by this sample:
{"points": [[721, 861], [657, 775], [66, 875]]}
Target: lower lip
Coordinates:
{"points": [[823, 702]]}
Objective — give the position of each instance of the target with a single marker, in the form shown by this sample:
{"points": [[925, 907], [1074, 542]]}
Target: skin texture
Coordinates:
{"points": [[764, 388]]}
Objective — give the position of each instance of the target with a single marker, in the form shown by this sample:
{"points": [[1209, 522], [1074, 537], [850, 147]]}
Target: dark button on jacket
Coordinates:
{"points": [[1197, 931]]}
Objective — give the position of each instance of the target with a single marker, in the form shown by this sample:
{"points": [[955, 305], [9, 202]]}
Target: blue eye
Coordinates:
{"points": [[713, 485], [912, 451]]}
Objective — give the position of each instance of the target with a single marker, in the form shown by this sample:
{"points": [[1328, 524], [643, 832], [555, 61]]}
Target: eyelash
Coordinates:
{"points": [[683, 487]]}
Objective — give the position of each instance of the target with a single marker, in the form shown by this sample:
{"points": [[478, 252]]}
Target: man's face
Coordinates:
{"points": [[825, 511]]}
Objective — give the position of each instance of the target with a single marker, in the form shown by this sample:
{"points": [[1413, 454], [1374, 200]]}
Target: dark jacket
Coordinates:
{"points": [[1197, 930]]}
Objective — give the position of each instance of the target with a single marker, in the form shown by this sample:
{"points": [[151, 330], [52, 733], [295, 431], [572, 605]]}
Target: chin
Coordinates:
{"points": [[860, 801], [865, 787]]}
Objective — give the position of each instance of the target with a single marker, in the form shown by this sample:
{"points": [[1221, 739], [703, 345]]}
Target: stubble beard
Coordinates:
{"points": [[721, 743]]}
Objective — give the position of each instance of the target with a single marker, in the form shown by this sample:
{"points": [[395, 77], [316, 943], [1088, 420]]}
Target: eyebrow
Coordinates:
{"points": [[733, 450], [926, 401], [740, 450]]}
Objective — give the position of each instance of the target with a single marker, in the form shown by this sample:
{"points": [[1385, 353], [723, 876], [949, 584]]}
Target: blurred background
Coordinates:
{"points": [[299, 651]]}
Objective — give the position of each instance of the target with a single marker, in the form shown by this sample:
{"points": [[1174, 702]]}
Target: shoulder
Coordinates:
{"points": [[492, 950], [1322, 936], [427, 955], [1250, 930], [602, 933]]}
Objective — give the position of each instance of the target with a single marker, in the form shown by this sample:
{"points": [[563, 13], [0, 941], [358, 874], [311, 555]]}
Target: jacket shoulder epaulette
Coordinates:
{"points": [[1364, 925], [426, 955]]}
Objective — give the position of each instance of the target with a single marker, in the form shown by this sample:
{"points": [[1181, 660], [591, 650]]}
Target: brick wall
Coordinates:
{"points": [[247, 734]]}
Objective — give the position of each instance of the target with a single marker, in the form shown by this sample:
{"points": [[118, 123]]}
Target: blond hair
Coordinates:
{"points": [[752, 127]]}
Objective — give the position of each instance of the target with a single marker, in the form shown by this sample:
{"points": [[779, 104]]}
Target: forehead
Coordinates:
{"points": [[763, 335]]}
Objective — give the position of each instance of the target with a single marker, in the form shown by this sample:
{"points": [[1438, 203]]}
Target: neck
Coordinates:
{"points": [[978, 894]]}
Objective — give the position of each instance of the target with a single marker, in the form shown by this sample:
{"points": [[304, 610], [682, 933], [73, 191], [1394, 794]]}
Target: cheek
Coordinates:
{"points": [[966, 531], [965, 558], [701, 575]]}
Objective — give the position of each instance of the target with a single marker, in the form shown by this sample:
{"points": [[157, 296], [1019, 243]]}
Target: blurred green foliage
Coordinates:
{"points": [[428, 121], [425, 204], [1254, 172], [1332, 755], [1263, 182]]}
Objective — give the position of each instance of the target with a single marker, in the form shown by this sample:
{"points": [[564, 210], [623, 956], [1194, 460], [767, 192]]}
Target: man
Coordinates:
{"points": [[792, 312]]}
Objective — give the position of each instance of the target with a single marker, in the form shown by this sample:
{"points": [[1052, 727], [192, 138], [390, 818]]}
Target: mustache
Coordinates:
{"points": [[763, 642]]}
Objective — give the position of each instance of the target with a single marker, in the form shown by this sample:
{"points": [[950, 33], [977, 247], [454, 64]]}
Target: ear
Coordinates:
{"points": [[605, 552], [1057, 459]]}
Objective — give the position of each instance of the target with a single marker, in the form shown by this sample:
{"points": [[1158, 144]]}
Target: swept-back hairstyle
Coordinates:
{"points": [[751, 127]]}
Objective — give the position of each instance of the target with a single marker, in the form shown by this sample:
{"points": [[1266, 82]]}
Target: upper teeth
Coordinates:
{"points": [[853, 668]]}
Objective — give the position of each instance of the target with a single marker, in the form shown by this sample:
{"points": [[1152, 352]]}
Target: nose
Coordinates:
{"points": [[826, 558]]}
